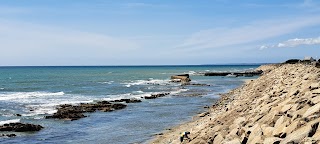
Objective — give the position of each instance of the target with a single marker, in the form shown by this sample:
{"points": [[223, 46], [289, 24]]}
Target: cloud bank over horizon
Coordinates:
{"points": [[296, 42]]}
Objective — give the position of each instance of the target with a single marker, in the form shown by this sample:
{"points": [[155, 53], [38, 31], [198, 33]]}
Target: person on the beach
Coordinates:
{"points": [[184, 135]]}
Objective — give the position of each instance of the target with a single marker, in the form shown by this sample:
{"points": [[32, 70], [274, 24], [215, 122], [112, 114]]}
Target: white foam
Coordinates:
{"points": [[192, 72], [140, 95], [1, 88], [150, 81], [107, 82], [26, 95], [49, 108], [179, 91], [9, 121], [126, 96]]}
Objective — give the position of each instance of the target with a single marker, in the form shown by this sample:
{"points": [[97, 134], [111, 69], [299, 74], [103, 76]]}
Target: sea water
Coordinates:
{"points": [[34, 92]]}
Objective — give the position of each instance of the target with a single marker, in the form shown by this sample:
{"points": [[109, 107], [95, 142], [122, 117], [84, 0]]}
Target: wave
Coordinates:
{"points": [[26, 95], [150, 81], [36, 104], [107, 82], [50, 108], [140, 94], [9, 121]]}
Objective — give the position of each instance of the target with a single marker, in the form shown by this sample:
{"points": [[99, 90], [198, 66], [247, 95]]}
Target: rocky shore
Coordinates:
{"points": [[75, 112], [281, 106], [18, 127]]}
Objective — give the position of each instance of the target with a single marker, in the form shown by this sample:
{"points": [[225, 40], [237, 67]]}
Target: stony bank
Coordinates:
{"points": [[281, 106]]}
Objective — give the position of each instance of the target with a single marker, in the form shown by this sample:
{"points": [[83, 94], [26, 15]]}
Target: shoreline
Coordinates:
{"points": [[199, 121], [265, 110]]}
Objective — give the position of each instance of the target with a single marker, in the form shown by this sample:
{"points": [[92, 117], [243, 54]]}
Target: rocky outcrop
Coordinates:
{"points": [[282, 106], [154, 96], [75, 112], [20, 127], [184, 78], [194, 84], [8, 135], [128, 100]]}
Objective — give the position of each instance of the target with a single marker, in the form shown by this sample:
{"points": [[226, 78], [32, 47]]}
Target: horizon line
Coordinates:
{"points": [[218, 64]]}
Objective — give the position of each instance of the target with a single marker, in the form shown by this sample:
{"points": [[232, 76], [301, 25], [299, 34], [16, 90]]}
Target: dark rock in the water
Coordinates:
{"points": [[75, 112], [103, 102], [11, 135], [181, 78], [20, 127], [154, 96], [8, 135], [193, 94], [127, 100], [195, 84], [19, 115]]}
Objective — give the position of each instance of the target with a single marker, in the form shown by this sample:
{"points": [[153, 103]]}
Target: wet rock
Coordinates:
{"points": [[154, 96], [75, 112], [127, 100], [181, 78], [20, 127], [195, 84], [8, 135]]}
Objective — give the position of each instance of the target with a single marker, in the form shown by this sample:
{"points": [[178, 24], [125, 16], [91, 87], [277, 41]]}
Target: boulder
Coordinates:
{"points": [[297, 136], [312, 110], [218, 139], [271, 140], [317, 65], [183, 78]]}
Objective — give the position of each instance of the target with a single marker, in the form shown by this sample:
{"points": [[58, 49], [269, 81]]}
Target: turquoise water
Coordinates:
{"points": [[34, 92]]}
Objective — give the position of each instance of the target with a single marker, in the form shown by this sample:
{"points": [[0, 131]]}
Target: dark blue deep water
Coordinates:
{"points": [[34, 92]]}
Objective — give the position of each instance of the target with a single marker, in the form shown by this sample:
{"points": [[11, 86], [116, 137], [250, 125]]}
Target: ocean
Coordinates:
{"points": [[34, 92]]}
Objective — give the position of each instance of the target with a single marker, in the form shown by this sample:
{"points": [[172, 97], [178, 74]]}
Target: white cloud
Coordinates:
{"points": [[252, 32], [294, 43]]}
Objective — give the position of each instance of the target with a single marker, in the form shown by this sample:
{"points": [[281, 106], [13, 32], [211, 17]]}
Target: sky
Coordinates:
{"points": [[157, 32]]}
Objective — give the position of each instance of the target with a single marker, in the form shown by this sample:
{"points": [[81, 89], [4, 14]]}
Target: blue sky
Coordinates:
{"points": [[163, 32]]}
